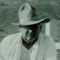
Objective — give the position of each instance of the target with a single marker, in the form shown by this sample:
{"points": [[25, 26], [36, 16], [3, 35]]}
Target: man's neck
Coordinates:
{"points": [[30, 44]]}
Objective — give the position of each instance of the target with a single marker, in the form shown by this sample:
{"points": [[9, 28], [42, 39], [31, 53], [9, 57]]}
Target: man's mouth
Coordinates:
{"points": [[29, 35]]}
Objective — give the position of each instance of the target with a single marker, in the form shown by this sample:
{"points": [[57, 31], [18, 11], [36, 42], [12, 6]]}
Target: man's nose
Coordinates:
{"points": [[29, 31]]}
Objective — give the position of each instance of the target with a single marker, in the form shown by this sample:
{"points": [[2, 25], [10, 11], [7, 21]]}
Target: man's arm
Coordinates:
{"points": [[3, 48], [51, 52]]}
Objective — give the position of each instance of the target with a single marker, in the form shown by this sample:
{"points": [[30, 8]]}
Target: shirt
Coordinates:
{"points": [[29, 54], [11, 48]]}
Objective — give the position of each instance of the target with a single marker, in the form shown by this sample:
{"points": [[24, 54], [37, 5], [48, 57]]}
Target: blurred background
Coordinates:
{"points": [[46, 8]]}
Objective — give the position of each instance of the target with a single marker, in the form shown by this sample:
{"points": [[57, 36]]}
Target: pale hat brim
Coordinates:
{"points": [[33, 22]]}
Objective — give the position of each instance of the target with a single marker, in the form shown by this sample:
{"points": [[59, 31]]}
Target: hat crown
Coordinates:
{"points": [[25, 13]]}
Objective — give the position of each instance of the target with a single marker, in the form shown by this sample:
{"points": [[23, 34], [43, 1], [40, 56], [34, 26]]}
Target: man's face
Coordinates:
{"points": [[30, 32]]}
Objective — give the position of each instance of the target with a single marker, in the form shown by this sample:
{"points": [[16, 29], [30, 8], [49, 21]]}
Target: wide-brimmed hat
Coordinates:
{"points": [[28, 15]]}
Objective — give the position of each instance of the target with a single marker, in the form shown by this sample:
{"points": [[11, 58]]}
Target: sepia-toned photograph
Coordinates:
{"points": [[29, 29]]}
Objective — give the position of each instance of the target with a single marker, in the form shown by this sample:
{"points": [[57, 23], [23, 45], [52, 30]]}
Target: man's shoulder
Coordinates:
{"points": [[11, 38], [13, 35], [44, 36], [9, 44], [47, 39]]}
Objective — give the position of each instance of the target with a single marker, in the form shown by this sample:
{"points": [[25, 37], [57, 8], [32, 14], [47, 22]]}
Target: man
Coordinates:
{"points": [[29, 43]]}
